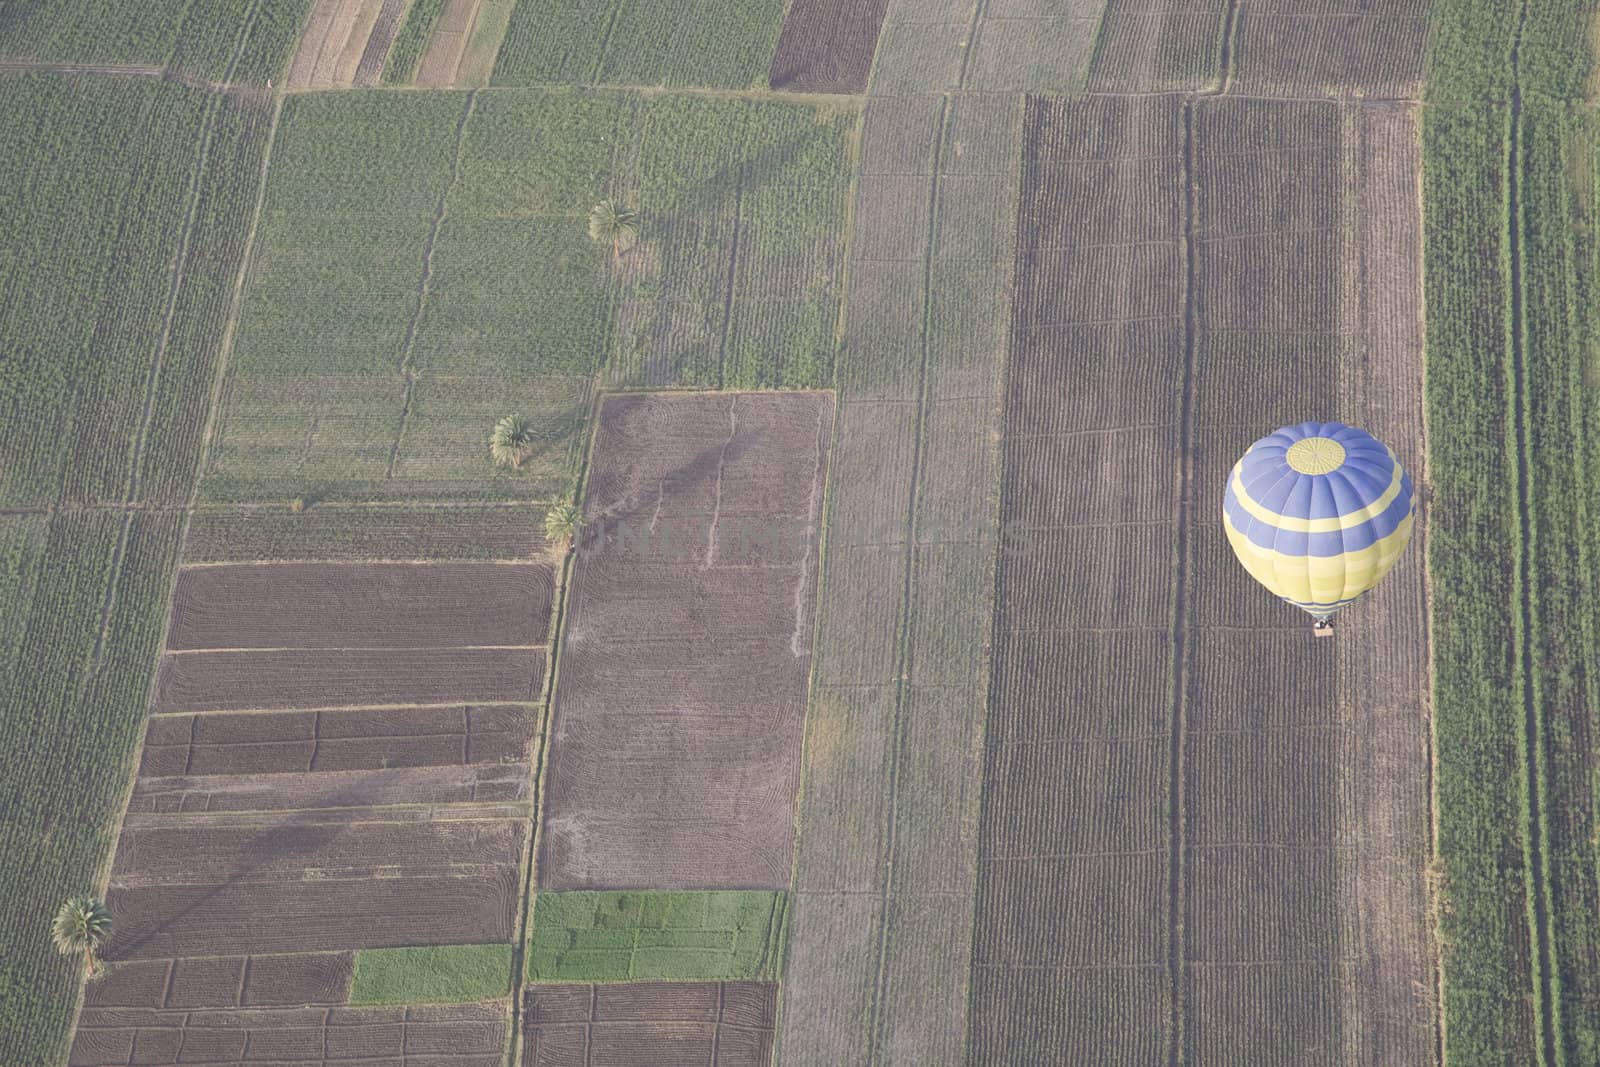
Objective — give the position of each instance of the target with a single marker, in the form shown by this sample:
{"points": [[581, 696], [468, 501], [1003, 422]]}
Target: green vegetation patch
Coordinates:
{"points": [[435, 975], [241, 40], [724, 44], [629, 936], [421, 272]]}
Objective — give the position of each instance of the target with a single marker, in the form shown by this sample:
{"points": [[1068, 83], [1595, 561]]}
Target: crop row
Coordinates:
{"points": [[246, 40], [415, 31]]}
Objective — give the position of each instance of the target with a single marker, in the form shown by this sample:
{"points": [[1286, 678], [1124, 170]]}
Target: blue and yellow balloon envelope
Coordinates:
{"points": [[1318, 513]]}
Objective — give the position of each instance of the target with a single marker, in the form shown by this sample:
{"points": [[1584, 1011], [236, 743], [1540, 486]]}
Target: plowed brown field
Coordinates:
{"points": [[465, 1035], [675, 749], [344, 605], [650, 1024], [827, 45]]}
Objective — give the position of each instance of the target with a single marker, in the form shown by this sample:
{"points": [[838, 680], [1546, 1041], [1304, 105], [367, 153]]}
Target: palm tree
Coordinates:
{"points": [[610, 223], [512, 441], [561, 524], [82, 925]]}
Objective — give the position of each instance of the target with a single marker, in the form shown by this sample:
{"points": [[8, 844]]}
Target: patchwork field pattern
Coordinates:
{"points": [[998, 46], [723, 44], [344, 43], [295, 836], [827, 46], [675, 740], [1149, 922], [617, 936], [382, 332], [649, 1024], [879, 947], [467, 1035]]}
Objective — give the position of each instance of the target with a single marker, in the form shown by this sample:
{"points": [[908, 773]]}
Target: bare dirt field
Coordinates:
{"points": [[441, 62], [675, 749], [827, 46], [649, 1024], [1201, 830], [337, 605], [288, 742], [464, 1035], [495, 783], [225, 982], [309, 678]]}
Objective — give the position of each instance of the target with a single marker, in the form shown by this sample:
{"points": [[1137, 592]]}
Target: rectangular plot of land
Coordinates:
{"points": [[299, 847], [827, 45], [290, 742], [330, 532], [231, 681], [675, 755], [650, 1024], [440, 1035], [591, 936], [498, 783], [344, 605], [225, 982], [209, 920]]}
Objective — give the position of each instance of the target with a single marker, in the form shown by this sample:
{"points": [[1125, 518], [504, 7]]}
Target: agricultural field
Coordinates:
{"points": [[726, 1024], [1007, 46], [723, 44], [625, 936], [412, 39], [1509, 185], [385, 326], [674, 754], [344, 43], [237, 41], [827, 46]]}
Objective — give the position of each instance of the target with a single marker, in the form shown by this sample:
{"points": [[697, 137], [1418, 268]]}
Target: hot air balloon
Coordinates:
{"points": [[1318, 513]]}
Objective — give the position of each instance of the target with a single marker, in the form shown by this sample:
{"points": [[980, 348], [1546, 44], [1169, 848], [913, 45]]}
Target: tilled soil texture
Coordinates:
{"points": [[310, 678], [1273, 48], [649, 1024], [225, 982], [1204, 832], [339, 605], [290, 742], [464, 1035], [675, 749], [827, 46]]}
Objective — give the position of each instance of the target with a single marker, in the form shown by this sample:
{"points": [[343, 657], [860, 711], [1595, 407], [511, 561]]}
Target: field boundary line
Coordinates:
{"points": [[875, 1019], [539, 768], [409, 342]]}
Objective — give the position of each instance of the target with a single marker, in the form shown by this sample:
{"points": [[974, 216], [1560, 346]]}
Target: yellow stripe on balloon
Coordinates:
{"points": [[1292, 524], [1320, 579]]}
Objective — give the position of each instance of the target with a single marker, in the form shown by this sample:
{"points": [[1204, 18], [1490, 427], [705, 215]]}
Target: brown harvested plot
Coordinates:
{"points": [[301, 847], [507, 783], [225, 982], [1204, 834], [677, 725], [309, 678], [384, 605], [162, 922], [288, 742], [649, 1024], [827, 46], [377, 47], [1375, 51], [457, 1035]]}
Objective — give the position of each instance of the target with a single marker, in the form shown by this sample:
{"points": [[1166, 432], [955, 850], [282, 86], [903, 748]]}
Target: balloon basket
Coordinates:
{"points": [[1322, 628]]}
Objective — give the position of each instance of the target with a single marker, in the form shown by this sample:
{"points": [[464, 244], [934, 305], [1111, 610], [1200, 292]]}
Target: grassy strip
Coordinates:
{"points": [[1510, 547], [629, 936], [446, 974], [412, 40]]}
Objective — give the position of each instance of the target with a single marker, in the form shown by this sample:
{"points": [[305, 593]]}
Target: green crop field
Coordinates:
{"points": [[1510, 193], [725, 44], [444, 974], [390, 320], [632, 936], [238, 40]]}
